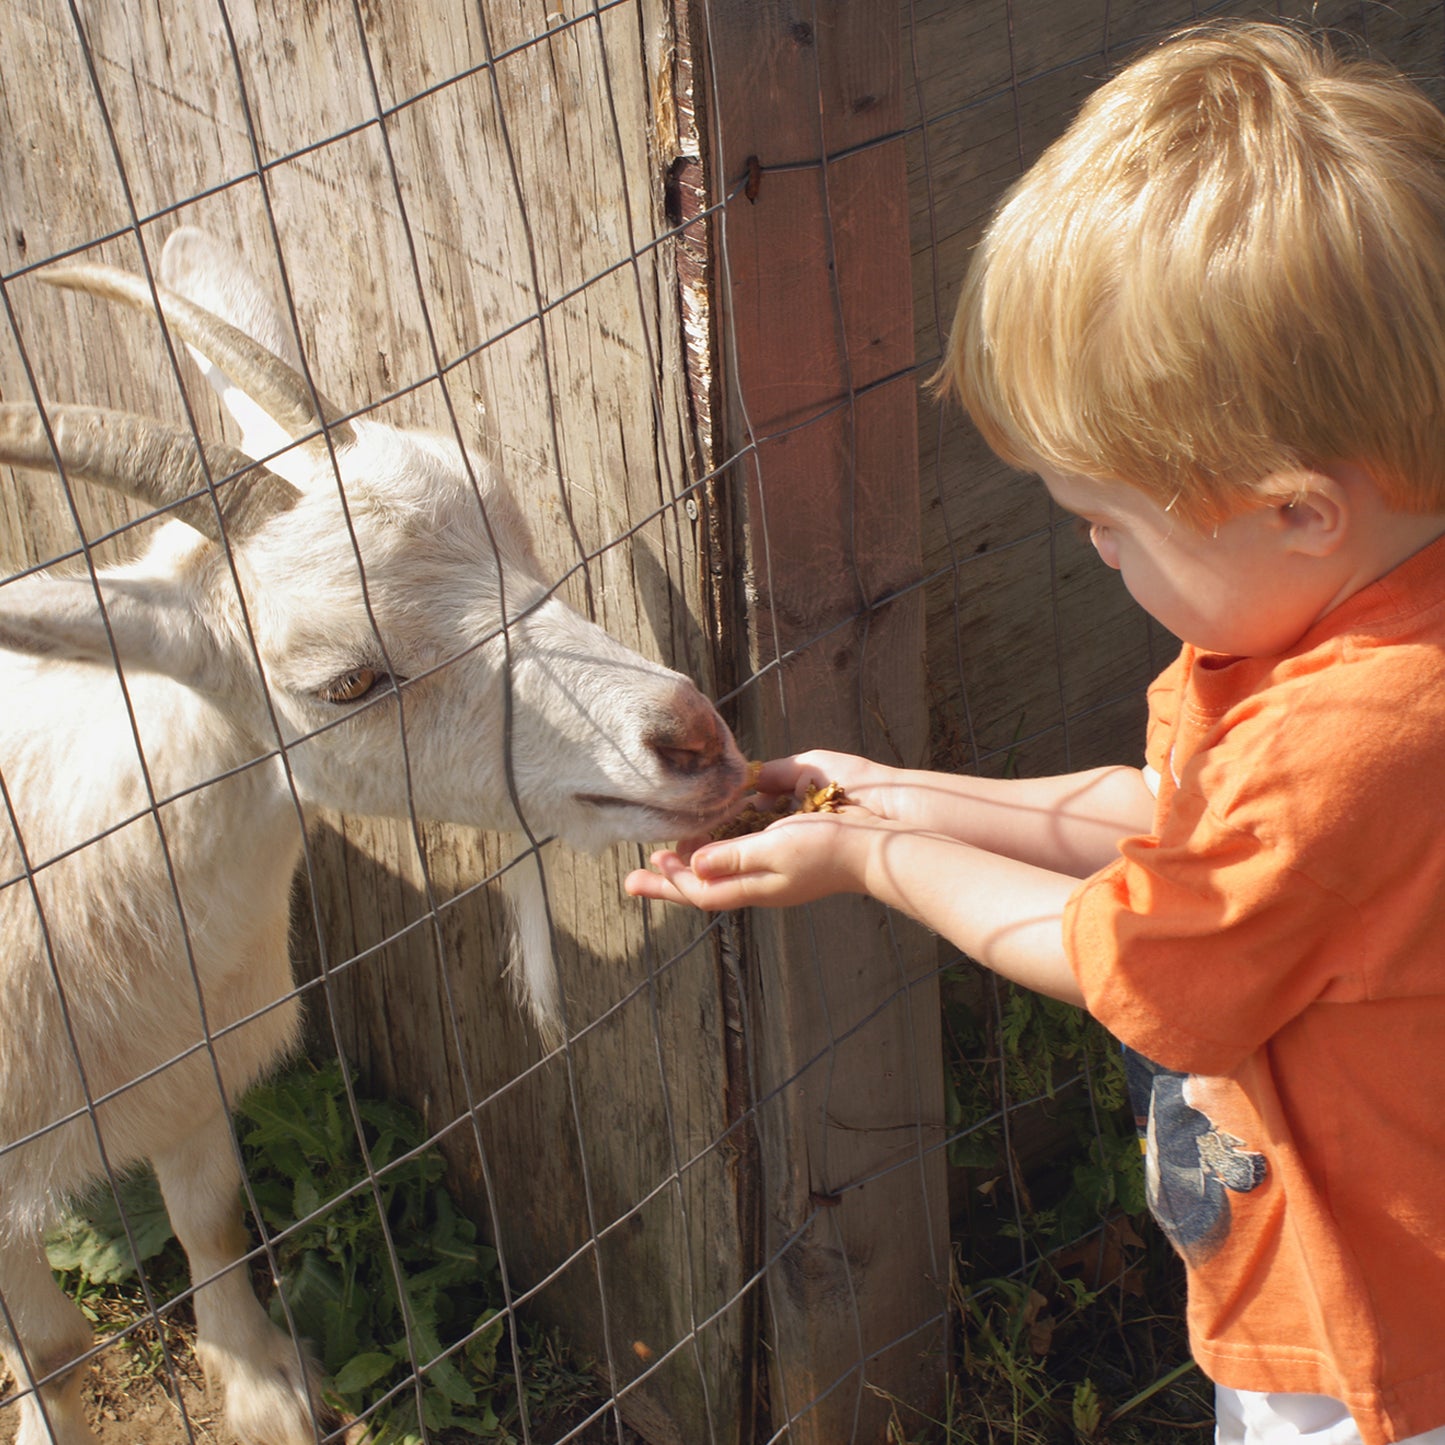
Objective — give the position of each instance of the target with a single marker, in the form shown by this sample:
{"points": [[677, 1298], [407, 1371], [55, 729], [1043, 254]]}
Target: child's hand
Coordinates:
{"points": [[792, 777], [862, 779], [798, 859]]}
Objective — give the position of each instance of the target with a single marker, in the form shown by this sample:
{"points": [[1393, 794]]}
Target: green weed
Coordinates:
{"points": [[377, 1267], [1069, 1304]]}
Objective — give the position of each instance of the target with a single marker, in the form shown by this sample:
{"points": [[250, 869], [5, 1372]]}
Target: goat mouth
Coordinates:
{"points": [[694, 819]]}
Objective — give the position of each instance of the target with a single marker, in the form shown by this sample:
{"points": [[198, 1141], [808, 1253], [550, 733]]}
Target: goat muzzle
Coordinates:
{"points": [[693, 740]]}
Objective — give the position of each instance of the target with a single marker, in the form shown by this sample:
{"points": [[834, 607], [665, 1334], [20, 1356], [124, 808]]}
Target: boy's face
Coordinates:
{"points": [[1243, 589]]}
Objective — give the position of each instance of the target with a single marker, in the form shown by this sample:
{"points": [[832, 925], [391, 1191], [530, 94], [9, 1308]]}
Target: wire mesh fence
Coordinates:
{"points": [[666, 283]]}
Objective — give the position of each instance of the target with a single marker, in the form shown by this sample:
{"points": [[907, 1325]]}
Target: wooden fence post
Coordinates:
{"points": [[818, 397]]}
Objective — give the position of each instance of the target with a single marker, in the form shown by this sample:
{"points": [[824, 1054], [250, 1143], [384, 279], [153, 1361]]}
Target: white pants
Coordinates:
{"points": [[1246, 1418]]}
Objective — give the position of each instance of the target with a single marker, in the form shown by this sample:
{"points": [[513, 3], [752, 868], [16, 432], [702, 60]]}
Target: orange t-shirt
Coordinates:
{"points": [[1274, 956]]}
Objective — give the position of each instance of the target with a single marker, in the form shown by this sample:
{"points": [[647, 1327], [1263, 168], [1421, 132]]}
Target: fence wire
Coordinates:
{"points": [[518, 228]]}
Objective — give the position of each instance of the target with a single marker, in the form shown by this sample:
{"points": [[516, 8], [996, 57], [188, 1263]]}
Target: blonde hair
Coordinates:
{"points": [[1232, 264]]}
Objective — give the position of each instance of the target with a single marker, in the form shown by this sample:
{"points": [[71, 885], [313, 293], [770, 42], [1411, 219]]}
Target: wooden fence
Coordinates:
{"points": [[681, 270]]}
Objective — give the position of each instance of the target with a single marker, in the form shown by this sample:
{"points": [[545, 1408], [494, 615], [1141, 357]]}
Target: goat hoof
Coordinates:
{"points": [[274, 1399]]}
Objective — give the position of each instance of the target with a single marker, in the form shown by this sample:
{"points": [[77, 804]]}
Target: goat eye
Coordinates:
{"points": [[351, 686]]}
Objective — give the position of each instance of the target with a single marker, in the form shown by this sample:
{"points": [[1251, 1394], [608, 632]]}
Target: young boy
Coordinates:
{"points": [[1212, 319]]}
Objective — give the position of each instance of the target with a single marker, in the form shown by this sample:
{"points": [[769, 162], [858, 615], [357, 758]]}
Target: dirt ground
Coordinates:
{"points": [[126, 1406], [137, 1409]]}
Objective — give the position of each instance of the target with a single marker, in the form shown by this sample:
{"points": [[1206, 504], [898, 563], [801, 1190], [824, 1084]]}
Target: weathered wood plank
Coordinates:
{"points": [[843, 1026]]}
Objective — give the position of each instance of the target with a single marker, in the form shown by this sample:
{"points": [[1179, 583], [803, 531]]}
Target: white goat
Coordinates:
{"points": [[311, 632]]}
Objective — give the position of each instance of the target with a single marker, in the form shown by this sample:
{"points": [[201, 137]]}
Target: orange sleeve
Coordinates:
{"points": [[1197, 946], [1204, 939]]}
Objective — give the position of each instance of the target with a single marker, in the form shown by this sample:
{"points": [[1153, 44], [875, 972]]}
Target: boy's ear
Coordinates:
{"points": [[1313, 509]]}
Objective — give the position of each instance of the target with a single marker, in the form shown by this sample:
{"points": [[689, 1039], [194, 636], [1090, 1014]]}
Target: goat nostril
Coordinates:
{"points": [[685, 760], [689, 737]]}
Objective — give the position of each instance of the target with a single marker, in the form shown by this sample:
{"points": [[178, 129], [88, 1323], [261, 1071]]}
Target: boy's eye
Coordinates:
{"points": [[1084, 529]]}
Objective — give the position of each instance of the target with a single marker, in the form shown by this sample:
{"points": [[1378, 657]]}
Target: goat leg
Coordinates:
{"points": [[51, 1333], [271, 1388]]}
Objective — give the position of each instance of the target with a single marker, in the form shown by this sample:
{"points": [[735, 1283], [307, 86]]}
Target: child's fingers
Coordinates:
{"points": [[719, 886], [777, 866], [644, 883], [783, 776], [686, 847], [711, 885], [716, 860], [777, 776]]}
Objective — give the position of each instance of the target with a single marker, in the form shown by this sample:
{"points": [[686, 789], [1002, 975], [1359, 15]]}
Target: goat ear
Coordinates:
{"points": [[203, 269], [153, 629]]}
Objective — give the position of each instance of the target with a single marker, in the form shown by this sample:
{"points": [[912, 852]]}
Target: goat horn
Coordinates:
{"points": [[155, 464], [280, 390]]}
